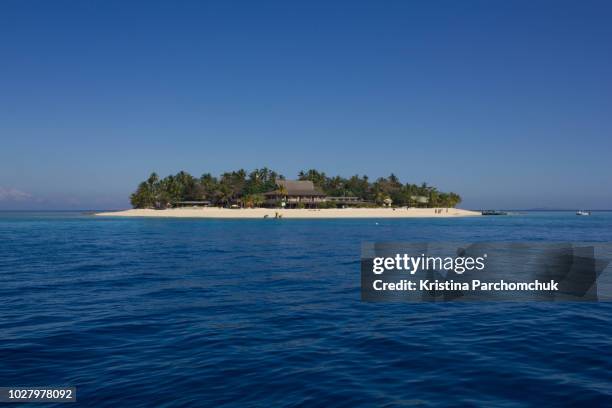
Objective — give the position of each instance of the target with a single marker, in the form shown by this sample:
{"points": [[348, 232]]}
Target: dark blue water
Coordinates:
{"points": [[154, 312]]}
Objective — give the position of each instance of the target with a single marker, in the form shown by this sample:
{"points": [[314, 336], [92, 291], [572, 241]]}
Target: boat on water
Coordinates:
{"points": [[582, 212], [493, 212]]}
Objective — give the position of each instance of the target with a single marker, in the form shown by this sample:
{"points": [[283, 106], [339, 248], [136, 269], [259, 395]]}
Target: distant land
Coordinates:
{"points": [[266, 188], [265, 193]]}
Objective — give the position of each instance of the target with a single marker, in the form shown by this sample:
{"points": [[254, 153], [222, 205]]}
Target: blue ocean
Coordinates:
{"points": [[191, 312]]}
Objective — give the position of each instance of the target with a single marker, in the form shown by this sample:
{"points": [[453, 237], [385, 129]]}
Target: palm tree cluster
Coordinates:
{"points": [[384, 190], [247, 189], [230, 187]]}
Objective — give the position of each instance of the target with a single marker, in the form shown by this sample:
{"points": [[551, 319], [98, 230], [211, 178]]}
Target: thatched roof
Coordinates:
{"points": [[297, 188]]}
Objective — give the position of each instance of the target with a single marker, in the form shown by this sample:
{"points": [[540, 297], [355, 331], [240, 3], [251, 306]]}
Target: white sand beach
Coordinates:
{"points": [[215, 212]]}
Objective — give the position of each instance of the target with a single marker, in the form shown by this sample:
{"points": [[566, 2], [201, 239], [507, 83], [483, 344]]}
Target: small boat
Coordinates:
{"points": [[582, 212], [493, 212]]}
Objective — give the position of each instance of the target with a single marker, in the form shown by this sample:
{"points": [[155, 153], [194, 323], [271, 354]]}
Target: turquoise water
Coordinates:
{"points": [[182, 312]]}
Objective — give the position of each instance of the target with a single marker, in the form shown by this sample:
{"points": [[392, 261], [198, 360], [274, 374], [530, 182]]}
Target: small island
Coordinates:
{"points": [[264, 193]]}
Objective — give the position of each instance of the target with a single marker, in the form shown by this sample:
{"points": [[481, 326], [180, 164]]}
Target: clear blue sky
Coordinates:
{"points": [[508, 103]]}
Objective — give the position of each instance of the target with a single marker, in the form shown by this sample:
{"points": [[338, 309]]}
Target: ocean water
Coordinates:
{"points": [[182, 312]]}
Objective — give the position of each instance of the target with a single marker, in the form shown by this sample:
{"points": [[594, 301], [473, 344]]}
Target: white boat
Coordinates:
{"points": [[582, 212]]}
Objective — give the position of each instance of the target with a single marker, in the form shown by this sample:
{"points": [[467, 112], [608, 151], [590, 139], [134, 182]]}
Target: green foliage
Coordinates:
{"points": [[247, 189], [318, 178], [327, 204], [261, 181], [253, 200], [143, 197]]}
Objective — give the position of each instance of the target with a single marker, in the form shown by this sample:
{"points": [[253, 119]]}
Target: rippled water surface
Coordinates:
{"points": [[154, 312]]}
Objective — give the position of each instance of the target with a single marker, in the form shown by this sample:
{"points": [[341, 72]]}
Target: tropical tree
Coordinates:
{"points": [[222, 195], [209, 186], [454, 199], [318, 178], [282, 191], [381, 198], [261, 181], [248, 189], [253, 200], [142, 197], [358, 187], [147, 193]]}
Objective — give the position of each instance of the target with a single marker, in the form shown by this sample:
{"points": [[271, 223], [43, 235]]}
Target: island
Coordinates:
{"points": [[264, 193]]}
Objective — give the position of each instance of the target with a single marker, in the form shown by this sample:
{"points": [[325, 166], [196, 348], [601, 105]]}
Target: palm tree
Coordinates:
{"points": [[434, 198], [153, 179], [223, 194], [381, 198], [258, 200], [282, 191], [253, 200], [248, 189], [454, 199], [209, 185]]}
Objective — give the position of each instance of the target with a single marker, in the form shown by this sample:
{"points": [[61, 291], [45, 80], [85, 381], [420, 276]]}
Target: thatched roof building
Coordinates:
{"points": [[294, 192], [296, 188]]}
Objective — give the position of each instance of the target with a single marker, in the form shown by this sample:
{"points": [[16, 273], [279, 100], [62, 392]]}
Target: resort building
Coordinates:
{"points": [[177, 204], [294, 193], [345, 201], [419, 201]]}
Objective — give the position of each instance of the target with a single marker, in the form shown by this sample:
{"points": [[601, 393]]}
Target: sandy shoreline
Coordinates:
{"points": [[214, 212]]}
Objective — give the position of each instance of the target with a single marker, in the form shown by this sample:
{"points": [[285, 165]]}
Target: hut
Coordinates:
{"points": [[295, 193]]}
